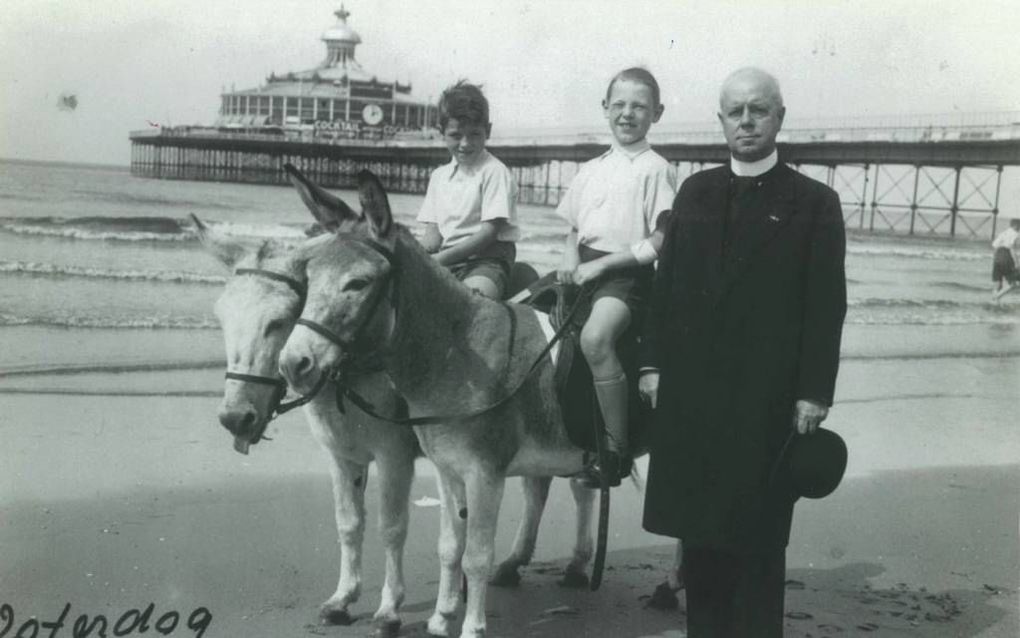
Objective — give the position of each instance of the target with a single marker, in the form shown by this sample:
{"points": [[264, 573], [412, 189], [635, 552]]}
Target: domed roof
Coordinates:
{"points": [[341, 32]]}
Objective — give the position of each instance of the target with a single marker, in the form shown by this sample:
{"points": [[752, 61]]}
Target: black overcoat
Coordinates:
{"points": [[746, 318]]}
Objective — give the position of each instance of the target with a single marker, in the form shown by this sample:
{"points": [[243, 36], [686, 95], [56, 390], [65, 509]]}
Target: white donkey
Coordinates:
{"points": [[257, 310], [448, 352]]}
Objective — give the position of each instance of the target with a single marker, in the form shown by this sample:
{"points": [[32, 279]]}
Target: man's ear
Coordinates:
{"points": [[374, 204], [218, 245], [328, 209]]}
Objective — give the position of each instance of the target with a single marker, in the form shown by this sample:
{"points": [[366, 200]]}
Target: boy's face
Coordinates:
{"points": [[465, 140], [630, 110]]}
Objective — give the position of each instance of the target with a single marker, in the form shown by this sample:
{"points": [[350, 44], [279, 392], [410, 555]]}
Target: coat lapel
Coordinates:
{"points": [[713, 202]]}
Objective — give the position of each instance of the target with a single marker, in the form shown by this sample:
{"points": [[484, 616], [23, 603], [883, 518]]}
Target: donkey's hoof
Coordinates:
{"points": [[574, 579], [439, 624], [663, 598], [506, 576], [387, 629], [333, 616]]}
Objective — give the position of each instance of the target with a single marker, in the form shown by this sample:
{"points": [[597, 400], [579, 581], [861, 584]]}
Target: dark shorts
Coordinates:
{"points": [[632, 285], [494, 263], [1003, 266]]}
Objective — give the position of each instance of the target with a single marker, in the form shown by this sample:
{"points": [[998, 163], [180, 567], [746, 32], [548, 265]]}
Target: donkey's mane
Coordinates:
{"points": [[428, 275]]}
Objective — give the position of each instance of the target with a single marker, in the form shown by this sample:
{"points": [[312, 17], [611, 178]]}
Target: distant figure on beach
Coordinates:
{"points": [[1005, 259], [612, 206], [470, 207], [745, 326]]}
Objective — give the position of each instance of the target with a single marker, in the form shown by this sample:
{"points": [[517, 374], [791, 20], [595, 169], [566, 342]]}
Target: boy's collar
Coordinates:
{"points": [[470, 168], [632, 150]]}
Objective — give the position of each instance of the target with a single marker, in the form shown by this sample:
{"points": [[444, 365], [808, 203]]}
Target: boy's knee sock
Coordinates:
{"points": [[612, 396]]}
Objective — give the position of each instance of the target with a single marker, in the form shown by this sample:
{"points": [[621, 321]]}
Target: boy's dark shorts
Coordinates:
{"points": [[494, 263], [631, 285], [1003, 266]]}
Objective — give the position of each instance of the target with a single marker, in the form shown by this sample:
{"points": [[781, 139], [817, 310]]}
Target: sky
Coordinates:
{"points": [[543, 63]]}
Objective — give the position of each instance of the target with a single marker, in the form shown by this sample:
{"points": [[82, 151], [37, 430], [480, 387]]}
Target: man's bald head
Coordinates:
{"points": [[764, 81], [751, 112]]}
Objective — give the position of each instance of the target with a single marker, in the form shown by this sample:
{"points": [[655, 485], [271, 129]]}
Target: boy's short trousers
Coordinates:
{"points": [[631, 285], [1003, 266], [493, 263]]}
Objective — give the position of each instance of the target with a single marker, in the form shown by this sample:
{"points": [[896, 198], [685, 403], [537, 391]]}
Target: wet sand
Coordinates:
{"points": [[111, 503]]}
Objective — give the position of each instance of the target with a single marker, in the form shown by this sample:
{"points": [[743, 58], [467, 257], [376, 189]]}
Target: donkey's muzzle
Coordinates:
{"points": [[240, 420]]}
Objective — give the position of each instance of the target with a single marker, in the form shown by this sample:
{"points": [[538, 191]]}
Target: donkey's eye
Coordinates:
{"points": [[273, 326], [354, 285]]}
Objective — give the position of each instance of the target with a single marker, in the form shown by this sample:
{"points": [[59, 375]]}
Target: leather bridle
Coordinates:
{"points": [[277, 405], [348, 344]]}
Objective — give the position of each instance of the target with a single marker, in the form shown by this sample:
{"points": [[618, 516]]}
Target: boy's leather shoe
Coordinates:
{"points": [[616, 468]]}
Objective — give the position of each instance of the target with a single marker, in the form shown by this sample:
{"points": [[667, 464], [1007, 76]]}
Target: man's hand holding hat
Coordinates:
{"points": [[808, 415]]}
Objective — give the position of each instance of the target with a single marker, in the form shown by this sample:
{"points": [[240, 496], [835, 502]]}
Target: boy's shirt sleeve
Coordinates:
{"points": [[659, 195], [499, 195], [427, 212]]}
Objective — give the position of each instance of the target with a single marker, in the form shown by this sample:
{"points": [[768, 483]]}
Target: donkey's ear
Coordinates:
{"points": [[374, 204], [223, 248], [328, 209]]}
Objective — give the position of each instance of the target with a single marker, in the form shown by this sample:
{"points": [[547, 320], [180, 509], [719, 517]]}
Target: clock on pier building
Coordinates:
{"points": [[337, 98]]}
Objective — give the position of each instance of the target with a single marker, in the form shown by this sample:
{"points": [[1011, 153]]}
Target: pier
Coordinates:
{"points": [[918, 175]]}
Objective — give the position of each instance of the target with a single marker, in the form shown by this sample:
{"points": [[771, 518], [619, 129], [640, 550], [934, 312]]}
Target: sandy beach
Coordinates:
{"points": [[110, 503]]}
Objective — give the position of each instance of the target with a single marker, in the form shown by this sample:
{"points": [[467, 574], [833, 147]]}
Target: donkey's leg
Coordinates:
{"points": [[452, 526], [349, 502], [536, 491], [484, 496], [576, 574], [396, 471]]}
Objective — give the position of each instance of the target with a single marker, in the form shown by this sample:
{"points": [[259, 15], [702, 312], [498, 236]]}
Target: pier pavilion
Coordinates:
{"points": [[338, 99]]}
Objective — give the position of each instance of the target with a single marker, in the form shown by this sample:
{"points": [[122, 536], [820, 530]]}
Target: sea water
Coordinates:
{"points": [[103, 282]]}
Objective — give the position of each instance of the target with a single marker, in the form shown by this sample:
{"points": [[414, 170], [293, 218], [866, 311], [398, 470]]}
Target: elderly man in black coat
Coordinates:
{"points": [[744, 331]]}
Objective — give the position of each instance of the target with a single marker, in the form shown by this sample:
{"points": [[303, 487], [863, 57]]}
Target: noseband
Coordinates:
{"points": [[277, 405]]}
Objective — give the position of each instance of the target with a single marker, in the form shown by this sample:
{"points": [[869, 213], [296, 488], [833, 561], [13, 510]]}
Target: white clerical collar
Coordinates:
{"points": [[632, 150], [754, 169]]}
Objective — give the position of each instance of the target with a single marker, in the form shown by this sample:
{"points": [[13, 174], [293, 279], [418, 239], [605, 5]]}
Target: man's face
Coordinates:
{"points": [[751, 117], [630, 110], [465, 140]]}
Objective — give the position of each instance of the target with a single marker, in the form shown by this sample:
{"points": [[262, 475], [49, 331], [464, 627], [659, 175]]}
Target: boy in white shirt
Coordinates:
{"points": [[470, 208], [613, 207]]}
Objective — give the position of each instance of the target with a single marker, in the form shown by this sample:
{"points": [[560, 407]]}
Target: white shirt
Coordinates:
{"points": [[459, 198], [1006, 239], [616, 198], [754, 169]]}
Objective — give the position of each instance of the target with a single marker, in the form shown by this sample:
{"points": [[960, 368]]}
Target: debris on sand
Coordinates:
{"points": [[564, 610]]}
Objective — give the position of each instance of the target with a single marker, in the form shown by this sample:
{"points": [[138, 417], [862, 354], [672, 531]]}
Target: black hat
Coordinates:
{"points": [[812, 464]]}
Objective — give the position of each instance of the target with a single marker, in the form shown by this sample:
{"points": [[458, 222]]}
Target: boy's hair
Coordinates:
{"points": [[465, 102], [640, 75]]}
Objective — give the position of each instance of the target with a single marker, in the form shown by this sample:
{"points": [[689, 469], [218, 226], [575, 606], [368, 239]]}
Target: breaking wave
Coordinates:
{"points": [[60, 270], [142, 229], [125, 322]]}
